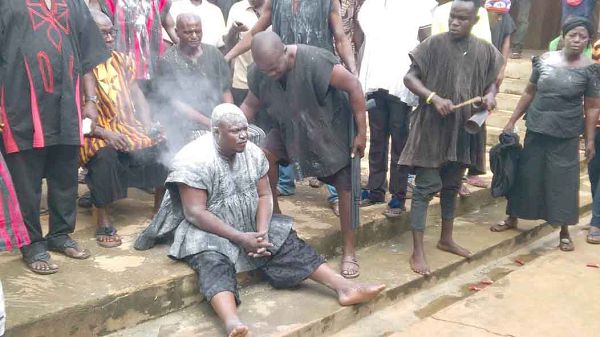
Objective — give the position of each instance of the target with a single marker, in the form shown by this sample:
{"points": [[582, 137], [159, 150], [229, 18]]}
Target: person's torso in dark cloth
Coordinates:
{"points": [[501, 30], [557, 108], [307, 24], [313, 116], [458, 71], [43, 55], [200, 84], [584, 9]]}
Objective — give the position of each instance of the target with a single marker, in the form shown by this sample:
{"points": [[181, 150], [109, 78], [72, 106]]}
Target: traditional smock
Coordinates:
{"points": [[232, 197]]}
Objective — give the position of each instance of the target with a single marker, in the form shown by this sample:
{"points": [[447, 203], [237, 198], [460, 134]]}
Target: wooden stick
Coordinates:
{"points": [[474, 100]]}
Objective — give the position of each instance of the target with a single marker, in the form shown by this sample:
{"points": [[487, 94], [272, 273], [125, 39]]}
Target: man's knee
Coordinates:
{"points": [[427, 184], [216, 274]]}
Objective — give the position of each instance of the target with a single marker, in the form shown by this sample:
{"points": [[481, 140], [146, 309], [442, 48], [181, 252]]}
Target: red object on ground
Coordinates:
{"points": [[486, 281], [519, 261], [474, 288], [593, 265]]}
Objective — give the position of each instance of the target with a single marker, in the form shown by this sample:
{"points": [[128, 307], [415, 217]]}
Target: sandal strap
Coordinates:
{"points": [[106, 230], [39, 257]]}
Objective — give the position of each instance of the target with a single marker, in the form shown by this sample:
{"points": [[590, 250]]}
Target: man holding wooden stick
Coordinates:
{"points": [[446, 68]]}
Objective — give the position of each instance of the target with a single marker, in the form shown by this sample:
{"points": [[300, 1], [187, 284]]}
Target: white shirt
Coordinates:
{"points": [[442, 14], [213, 23], [391, 29], [242, 12]]}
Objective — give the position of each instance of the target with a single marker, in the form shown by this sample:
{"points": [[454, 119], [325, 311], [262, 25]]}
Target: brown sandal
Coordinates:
{"points": [[71, 249], [346, 273], [107, 237], [566, 244]]}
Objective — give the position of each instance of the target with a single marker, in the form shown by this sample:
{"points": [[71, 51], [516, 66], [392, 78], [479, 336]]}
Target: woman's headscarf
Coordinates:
{"points": [[577, 21]]}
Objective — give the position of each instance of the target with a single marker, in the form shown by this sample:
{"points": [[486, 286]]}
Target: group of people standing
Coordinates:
{"points": [[102, 90]]}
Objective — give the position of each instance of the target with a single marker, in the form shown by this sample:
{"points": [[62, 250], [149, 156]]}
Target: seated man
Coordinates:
{"points": [[193, 79], [119, 153], [218, 208]]}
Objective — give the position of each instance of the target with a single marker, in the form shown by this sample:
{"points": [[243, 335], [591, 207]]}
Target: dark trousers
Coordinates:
{"points": [[111, 173], [389, 119], [447, 180], [58, 164], [518, 37], [239, 95], [594, 175]]}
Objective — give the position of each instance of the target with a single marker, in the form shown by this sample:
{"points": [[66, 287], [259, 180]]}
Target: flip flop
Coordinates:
{"points": [[41, 257], [335, 208], [501, 226], [71, 249], [566, 245], [593, 238], [392, 213], [346, 272], [105, 232]]}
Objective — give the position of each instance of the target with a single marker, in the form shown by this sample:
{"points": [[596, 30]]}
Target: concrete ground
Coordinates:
{"points": [[550, 294]]}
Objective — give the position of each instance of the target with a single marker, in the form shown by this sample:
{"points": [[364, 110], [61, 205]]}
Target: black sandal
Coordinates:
{"points": [[69, 246]]}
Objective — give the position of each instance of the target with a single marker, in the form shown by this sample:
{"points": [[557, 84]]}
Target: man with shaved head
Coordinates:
{"points": [[306, 91], [193, 79], [219, 211]]}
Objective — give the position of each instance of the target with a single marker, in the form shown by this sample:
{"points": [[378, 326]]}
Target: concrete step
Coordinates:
{"points": [[417, 315], [513, 86], [507, 102], [311, 310], [121, 287]]}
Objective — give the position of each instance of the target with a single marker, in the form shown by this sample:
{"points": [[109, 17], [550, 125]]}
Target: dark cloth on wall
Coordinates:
{"points": [[307, 24], [58, 164], [557, 108], [458, 71], [312, 116], [547, 184], [291, 264], [44, 54], [501, 30], [111, 173], [504, 161]]}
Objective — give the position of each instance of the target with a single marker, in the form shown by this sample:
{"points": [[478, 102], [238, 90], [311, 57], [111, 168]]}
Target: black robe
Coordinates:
{"points": [[44, 52]]}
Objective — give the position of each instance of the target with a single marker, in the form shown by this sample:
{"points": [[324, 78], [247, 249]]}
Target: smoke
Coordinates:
{"points": [[178, 83]]}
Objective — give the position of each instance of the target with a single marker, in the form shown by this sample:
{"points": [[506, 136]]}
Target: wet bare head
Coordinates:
{"points": [[105, 26], [189, 30], [270, 54], [230, 129]]}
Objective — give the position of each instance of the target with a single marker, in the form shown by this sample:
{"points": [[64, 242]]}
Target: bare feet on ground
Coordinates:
{"points": [[237, 329], [418, 264], [359, 293], [452, 247]]}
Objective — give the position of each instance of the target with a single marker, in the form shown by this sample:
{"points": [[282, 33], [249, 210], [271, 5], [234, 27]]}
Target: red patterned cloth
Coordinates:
{"points": [[13, 233]]}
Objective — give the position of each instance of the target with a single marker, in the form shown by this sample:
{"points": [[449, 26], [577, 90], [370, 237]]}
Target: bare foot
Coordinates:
{"points": [[452, 247], [237, 329], [359, 293], [418, 264]]}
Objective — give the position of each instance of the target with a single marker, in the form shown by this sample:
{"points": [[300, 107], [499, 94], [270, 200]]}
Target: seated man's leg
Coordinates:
{"points": [[427, 183], [108, 181], [296, 261], [451, 175], [342, 182], [147, 172], [217, 283]]}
